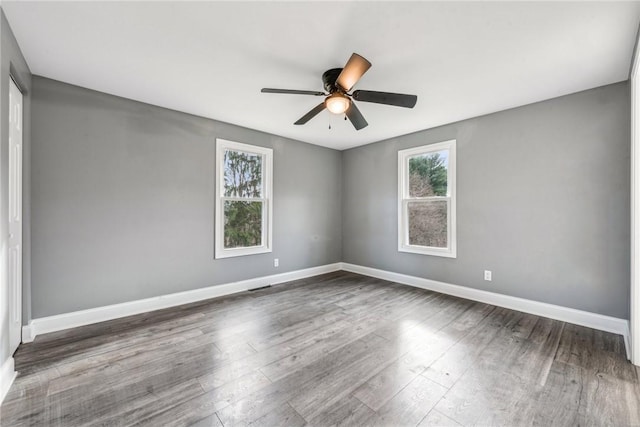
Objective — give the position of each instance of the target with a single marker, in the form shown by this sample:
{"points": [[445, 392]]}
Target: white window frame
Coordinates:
{"points": [[404, 199], [267, 187]]}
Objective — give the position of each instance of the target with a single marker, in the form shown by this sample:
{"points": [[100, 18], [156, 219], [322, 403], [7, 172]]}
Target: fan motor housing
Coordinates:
{"points": [[329, 78]]}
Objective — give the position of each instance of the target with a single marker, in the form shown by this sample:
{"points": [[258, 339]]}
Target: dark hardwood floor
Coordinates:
{"points": [[337, 349]]}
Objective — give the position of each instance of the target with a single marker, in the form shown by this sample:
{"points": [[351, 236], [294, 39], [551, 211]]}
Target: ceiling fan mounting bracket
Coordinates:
{"points": [[329, 78]]}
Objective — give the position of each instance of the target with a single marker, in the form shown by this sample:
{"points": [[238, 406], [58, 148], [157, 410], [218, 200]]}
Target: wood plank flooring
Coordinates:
{"points": [[337, 349]]}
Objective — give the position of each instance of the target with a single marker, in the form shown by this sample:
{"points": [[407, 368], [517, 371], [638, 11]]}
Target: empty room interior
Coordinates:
{"points": [[319, 213]]}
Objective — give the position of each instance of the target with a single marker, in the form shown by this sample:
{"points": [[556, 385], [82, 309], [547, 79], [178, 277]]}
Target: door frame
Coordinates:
{"points": [[15, 160], [634, 322]]}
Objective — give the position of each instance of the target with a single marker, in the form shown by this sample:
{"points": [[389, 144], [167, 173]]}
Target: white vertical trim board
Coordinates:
{"points": [[565, 314], [635, 210], [14, 240], [7, 375], [74, 319]]}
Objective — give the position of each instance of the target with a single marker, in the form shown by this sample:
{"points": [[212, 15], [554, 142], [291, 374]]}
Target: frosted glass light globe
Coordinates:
{"points": [[337, 103]]}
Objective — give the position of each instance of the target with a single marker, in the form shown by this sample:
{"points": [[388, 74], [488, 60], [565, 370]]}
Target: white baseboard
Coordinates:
{"points": [[74, 319], [565, 314], [27, 334], [100, 314], [7, 375]]}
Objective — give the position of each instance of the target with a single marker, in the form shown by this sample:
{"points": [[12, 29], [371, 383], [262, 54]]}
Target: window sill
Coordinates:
{"points": [[444, 252], [232, 253]]}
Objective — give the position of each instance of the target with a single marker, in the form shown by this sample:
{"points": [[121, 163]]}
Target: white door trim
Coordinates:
{"points": [[14, 220], [634, 322]]}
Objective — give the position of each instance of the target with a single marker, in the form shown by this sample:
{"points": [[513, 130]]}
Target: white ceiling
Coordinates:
{"points": [[462, 59]]}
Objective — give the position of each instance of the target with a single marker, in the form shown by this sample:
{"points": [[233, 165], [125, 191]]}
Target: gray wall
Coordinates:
{"points": [[12, 63], [123, 199], [543, 202], [122, 196]]}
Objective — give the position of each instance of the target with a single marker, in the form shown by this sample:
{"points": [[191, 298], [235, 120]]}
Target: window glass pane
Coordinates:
{"points": [[428, 174], [242, 174], [242, 224], [428, 223]]}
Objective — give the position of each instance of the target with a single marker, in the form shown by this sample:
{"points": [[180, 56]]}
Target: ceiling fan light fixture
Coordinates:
{"points": [[337, 83], [337, 103]]}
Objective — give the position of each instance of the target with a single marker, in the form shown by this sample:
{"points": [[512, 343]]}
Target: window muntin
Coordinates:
{"points": [[243, 199], [426, 200]]}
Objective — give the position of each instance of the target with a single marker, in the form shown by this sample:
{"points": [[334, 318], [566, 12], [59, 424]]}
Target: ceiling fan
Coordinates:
{"points": [[338, 82]]}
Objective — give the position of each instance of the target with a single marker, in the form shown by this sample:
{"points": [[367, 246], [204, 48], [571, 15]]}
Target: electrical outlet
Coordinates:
{"points": [[487, 275], [276, 262]]}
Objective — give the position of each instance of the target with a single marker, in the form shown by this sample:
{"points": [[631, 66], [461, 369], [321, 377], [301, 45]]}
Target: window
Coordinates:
{"points": [[243, 199], [427, 199]]}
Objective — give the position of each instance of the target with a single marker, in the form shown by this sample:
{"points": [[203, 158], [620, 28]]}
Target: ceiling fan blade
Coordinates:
{"points": [[351, 73], [311, 114], [387, 98], [356, 117], [292, 91]]}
